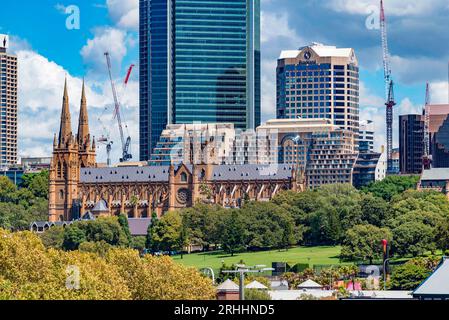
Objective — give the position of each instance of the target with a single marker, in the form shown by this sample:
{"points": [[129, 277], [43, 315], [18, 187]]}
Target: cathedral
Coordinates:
{"points": [[80, 187]]}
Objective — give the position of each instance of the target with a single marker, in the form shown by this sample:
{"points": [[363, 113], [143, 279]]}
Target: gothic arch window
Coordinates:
{"points": [[61, 194], [183, 177]]}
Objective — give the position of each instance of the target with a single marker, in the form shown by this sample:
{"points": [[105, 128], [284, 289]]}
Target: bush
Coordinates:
{"points": [[256, 295]]}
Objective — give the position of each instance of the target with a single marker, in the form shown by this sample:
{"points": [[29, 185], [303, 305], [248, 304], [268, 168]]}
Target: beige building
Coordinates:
{"points": [[325, 152], [319, 81], [8, 105]]}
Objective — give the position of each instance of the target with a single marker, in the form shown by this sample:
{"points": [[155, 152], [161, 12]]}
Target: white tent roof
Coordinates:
{"points": [[228, 285], [255, 285], [310, 284], [321, 50]]}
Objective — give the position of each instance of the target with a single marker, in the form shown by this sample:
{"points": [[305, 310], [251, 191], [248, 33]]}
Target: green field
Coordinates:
{"points": [[311, 255]]}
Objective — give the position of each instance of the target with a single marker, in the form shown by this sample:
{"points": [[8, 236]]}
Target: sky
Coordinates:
{"points": [[48, 52]]}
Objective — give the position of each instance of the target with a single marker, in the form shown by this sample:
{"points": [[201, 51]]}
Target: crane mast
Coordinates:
{"points": [[389, 87], [126, 143], [427, 157]]}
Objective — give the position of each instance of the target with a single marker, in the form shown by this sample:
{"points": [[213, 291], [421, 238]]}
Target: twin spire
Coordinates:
{"points": [[65, 132]]}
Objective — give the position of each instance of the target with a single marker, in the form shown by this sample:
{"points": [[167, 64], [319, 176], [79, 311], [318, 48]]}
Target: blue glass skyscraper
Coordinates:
{"points": [[199, 62]]}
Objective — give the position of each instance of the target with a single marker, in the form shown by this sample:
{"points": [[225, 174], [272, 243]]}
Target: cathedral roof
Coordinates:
{"points": [[161, 173]]}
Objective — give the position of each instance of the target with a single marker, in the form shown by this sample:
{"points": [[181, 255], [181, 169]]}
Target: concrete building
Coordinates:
{"points": [[8, 105], [199, 61], [411, 143], [366, 136], [319, 81]]}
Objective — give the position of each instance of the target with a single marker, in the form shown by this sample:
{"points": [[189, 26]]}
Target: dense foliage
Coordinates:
{"points": [[30, 271], [413, 222], [20, 206]]}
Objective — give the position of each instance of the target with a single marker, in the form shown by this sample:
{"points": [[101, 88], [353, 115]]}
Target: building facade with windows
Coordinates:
{"points": [[8, 105], [366, 136], [199, 62], [411, 143], [318, 82]]}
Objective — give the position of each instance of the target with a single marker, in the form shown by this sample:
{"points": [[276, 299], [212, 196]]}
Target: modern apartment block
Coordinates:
{"points": [[411, 143], [317, 82], [323, 151], [366, 136], [438, 134], [199, 62], [8, 105]]}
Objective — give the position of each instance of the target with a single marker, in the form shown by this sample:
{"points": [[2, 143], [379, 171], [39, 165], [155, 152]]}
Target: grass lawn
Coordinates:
{"points": [[311, 255]]}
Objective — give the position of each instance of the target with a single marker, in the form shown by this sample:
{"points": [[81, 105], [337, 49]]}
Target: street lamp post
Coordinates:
{"points": [[385, 274], [242, 270]]}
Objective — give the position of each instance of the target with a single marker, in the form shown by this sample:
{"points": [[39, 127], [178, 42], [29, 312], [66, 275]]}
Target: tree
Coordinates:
{"points": [[233, 234], [123, 221], [166, 233], [413, 238], [73, 237], [37, 183], [363, 242], [104, 229], [392, 186], [442, 235], [159, 278], [183, 240], [408, 276], [375, 210], [53, 237], [7, 188], [150, 244], [256, 295], [138, 243]]}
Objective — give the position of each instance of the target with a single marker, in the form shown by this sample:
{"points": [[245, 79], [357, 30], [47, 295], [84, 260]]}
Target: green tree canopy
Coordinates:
{"points": [[363, 243]]}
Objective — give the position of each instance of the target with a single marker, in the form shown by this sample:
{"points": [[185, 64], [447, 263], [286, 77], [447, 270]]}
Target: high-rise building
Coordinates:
{"points": [[366, 136], [411, 143], [8, 105], [199, 62], [319, 81]]}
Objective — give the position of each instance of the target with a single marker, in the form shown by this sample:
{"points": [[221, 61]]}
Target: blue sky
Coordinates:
{"points": [[48, 51]]}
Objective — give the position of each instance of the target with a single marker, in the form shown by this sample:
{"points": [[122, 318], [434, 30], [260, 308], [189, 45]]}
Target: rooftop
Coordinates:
{"points": [[320, 49], [435, 174]]}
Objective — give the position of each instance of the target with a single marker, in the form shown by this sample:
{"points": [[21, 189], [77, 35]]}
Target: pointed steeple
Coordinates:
{"points": [[65, 131], [83, 123]]}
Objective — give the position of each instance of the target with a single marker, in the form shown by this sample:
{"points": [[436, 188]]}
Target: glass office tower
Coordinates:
{"points": [[199, 62]]}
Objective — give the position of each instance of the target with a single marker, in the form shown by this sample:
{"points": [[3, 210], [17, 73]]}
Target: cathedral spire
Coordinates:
{"points": [[83, 123], [65, 131]]}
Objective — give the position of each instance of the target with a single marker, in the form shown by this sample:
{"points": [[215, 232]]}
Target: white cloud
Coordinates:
{"points": [[124, 13], [439, 92], [272, 41], [106, 39], [40, 101], [393, 7]]}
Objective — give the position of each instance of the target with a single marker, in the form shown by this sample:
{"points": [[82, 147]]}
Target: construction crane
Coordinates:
{"points": [[427, 159], [126, 142], [389, 87]]}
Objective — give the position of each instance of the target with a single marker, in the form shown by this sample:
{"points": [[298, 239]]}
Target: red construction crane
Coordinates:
{"points": [[389, 87]]}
